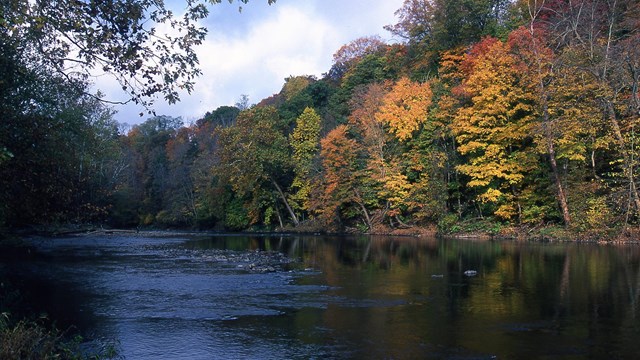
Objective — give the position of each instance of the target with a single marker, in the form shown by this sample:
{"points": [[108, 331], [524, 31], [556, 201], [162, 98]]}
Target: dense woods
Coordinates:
{"points": [[489, 114]]}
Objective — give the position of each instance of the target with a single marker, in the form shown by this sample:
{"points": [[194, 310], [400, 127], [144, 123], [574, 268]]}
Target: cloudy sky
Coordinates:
{"points": [[251, 52]]}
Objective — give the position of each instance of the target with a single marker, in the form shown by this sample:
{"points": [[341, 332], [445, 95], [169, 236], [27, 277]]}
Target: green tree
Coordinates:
{"points": [[371, 68], [123, 38], [144, 192], [305, 143], [255, 160], [180, 204], [434, 26], [63, 150], [350, 54], [224, 116], [295, 97]]}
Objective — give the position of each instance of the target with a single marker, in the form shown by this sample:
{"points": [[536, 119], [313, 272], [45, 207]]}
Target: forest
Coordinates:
{"points": [[486, 116]]}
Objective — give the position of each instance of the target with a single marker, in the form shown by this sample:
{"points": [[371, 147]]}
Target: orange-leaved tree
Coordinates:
{"points": [[339, 190]]}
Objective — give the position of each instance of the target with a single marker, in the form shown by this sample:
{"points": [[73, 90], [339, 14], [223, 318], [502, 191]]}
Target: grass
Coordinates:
{"points": [[27, 339], [26, 336]]}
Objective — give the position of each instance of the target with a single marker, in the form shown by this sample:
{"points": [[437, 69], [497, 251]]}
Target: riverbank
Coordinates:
{"points": [[476, 230], [27, 333], [32, 339]]}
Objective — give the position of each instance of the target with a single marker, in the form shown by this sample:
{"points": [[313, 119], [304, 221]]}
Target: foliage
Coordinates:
{"points": [[337, 187], [491, 113], [134, 40], [305, 143], [405, 107], [494, 129], [30, 340], [351, 54], [60, 154], [434, 26], [254, 157], [224, 116]]}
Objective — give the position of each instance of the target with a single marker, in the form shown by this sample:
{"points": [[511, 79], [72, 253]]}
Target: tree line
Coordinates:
{"points": [[493, 112]]}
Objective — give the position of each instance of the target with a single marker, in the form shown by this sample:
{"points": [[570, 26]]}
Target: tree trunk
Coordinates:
{"points": [[547, 133], [402, 223], [367, 218], [279, 218], [626, 159], [551, 152], [294, 218], [365, 213]]}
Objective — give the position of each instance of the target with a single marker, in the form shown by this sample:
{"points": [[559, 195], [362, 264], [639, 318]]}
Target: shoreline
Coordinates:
{"points": [[540, 234]]}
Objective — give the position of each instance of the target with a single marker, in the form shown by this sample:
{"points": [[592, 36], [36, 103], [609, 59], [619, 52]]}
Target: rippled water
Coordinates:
{"points": [[220, 297]]}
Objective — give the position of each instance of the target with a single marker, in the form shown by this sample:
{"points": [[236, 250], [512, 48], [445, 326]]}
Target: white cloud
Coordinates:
{"points": [[289, 43], [259, 49]]}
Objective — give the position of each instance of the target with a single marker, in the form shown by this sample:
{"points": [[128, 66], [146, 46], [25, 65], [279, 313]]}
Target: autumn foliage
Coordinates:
{"points": [[519, 113]]}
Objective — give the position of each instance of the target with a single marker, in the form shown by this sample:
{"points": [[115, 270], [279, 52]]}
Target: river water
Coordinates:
{"points": [[317, 297]]}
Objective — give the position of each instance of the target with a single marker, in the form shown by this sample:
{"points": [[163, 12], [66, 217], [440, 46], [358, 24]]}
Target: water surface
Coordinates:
{"points": [[298, 297]]}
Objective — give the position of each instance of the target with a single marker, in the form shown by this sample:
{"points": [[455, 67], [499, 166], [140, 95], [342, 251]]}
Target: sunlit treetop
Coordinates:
{"points": [[350, 54]]}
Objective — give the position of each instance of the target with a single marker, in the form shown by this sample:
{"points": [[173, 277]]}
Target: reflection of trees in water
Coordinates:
{"points": [[521, 280], [632, 277], [530, 279], [571, 293]]}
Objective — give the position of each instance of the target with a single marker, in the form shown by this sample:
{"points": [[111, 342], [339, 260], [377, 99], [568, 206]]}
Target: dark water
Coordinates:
{"points": [[238, 297]]}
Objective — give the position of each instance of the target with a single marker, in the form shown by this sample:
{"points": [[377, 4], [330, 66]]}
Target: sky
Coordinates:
{"points": [[253, 51]]}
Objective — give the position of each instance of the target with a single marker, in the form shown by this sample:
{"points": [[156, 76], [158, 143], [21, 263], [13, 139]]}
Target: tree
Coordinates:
{"points": [[448, 24], [338, 185], [52, 130], [293, 85], [180, 207], [365, 105], [146, 192], [405, 107], [411, 179], [80, 39], [57, 145], [587, 70], [305, 142], [372, 68], [373, 147], [295, 97], [386, 114], [224, 116], [255, 160], [350, 54], [214, 197], [61, 153], [434, 26], [243, 103], [494, 129]]}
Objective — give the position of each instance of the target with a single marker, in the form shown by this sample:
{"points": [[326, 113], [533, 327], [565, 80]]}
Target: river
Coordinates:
{"points": [[317, 297]]}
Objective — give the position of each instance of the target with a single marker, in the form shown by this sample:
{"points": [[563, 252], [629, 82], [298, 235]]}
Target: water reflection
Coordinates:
{"points": [[401, 297], [342, 297]]}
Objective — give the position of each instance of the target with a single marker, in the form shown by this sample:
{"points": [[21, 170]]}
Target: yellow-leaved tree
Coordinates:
{"points": [[305, 143], [403, 112], [405, 107], [493, 129]]}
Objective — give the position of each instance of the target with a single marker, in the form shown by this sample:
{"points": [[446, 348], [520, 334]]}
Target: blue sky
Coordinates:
{"points": [[253, 51]]}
